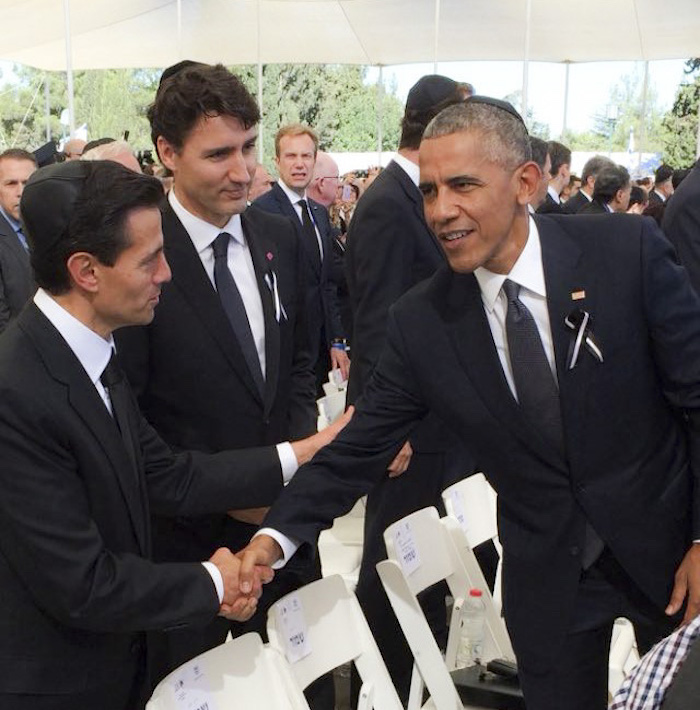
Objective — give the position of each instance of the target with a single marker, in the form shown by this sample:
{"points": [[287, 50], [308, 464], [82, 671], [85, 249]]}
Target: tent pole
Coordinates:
{"points": [[436, 38], [179, 30], [69, 67], [643, 114], [261, 149], [565, 118], [380, 114], [697, 149], [526, 63], [48, 106]]}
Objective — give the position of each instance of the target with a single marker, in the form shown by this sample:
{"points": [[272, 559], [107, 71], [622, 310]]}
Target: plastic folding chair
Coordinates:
{"points": [[340, 547], [242, 673], [320, 627], [421, 553]]}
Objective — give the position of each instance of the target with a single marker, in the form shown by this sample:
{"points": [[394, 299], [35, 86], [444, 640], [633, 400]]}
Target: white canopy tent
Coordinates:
{"points": [[97, 34]]}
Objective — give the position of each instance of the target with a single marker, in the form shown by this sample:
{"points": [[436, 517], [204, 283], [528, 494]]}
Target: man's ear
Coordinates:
{"points": [[167, 153], [528, 176], [81, 267]]}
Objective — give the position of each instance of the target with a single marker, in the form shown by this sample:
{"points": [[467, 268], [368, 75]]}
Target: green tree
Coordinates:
{"points": [[680, 124]]}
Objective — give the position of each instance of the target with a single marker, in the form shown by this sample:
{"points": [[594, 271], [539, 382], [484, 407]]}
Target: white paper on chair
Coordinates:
{"points": [[189, 689], [458, 507], [292, 626], [406, 548]]}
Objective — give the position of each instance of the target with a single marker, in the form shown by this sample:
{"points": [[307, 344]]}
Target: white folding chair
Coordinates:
{"points": [[471, 502], [340, 547], [421, 553], [623, 654], [242, 673], [320, 627], [330, 407]]}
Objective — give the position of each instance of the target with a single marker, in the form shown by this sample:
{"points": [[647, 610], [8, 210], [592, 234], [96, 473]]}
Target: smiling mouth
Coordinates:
{"points": [[454, 235]]}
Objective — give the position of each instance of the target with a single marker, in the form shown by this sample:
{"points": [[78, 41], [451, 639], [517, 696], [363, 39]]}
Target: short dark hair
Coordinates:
{"points": [[678, 176], [540, 150], [18, 154], [559, 155], [638, 196], [663, 173], [199, 90], [96, 225], [609, 181], [593, 167], [415, 122]]}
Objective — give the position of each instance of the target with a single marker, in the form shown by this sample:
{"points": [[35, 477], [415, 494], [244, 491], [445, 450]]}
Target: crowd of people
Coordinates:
{"points": [[167, 328]]}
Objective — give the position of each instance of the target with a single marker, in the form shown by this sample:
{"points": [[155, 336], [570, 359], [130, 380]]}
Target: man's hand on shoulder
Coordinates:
{"points": [[687, 584], [239, 605]]}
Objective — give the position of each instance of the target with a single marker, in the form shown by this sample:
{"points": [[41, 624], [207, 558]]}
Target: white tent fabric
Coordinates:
{"points": [[157, 33]]}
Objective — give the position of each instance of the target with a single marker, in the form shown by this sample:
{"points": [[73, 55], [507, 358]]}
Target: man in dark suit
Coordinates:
{"points": [[16, 282], [663, 185], [205, 379], [681, 224], [611, 192], [566, 354], [560, 171], [590, 172], [81, 467], [390, 249], [295, 150]]}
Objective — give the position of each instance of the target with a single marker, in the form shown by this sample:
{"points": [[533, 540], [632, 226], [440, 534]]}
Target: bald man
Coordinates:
{"points": [[324, 184]]}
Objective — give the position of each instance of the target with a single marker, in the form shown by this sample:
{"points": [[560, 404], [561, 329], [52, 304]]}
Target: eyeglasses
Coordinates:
{"points": [[329, 177]]}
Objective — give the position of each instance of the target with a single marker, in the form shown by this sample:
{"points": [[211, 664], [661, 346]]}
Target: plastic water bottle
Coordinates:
{"points": [[471, 632]]}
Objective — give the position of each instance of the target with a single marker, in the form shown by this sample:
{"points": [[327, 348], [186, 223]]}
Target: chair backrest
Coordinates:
{"points": [[424, 546], [320, 627], [472, 502], [331, 406], [240, 673]]}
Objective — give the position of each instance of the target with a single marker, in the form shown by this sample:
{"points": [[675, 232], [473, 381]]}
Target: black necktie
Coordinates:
{"points": [[116, 385], [235, 310], [310, 231], [538, 394]]}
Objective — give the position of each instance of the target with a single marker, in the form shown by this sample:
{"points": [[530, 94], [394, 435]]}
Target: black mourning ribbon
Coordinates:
{"points": [[579, 322]]}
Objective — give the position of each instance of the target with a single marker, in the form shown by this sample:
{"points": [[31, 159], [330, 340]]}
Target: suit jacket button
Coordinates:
{"points": [[574, 550]]}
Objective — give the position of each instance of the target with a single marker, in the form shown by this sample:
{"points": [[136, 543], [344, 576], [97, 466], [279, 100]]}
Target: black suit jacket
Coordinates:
{"points": [[631, 457], [549, 206], [192, 380], [681, 224], [16, 280], [77, 584], [575, 204], [595, 207], [322, 311]]}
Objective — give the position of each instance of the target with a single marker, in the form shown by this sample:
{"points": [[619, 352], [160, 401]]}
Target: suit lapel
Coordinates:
{"points": [[191, 279], [565, 275], [263, 254], [82, 396], [287, 209]]}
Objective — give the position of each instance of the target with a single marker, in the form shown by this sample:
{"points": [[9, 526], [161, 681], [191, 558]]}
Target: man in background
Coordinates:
{"points": [[16, 281], [589, 175], [559, 173]]}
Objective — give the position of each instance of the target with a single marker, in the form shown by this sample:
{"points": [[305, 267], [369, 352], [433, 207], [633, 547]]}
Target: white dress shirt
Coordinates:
{"points": [[93, 353], [553, 194], [295, 198], [240, 263]]}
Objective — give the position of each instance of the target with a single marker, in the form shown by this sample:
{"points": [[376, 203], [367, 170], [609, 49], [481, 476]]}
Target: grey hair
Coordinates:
{"points": [[504, 138], [107, 151]]}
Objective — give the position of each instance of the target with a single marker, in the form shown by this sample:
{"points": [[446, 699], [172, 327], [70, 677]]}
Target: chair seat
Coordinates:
{"points": [[476, 687]]}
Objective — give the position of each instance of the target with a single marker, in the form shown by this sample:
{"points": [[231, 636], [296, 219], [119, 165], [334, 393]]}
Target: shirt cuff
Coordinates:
{"points": [[289, 545], [288, 461], [216, 578]]}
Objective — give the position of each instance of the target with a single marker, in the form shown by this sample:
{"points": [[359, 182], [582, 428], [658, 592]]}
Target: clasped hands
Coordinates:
{"points": [[240, 594]]}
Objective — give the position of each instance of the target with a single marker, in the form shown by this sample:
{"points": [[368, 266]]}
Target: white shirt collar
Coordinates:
{"points": [[662, 197], [409, 167], [586, 195], [527, 271], [203, 233], [91, 349], [293, 197], [553, 194]]}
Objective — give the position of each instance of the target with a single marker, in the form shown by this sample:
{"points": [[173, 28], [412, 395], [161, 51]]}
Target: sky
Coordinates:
{"points": [[589, 85]]}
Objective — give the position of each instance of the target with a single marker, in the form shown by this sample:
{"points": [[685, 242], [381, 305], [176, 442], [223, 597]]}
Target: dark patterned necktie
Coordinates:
{"points": [[118, 389], [235, 310], [538, 394], [309, 231]]}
